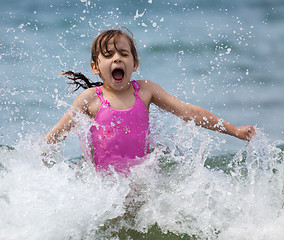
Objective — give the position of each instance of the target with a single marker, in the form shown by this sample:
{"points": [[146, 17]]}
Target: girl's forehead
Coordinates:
{"points": [[120, 42]]}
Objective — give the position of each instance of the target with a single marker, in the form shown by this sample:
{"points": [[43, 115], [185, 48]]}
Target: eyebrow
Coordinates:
{"points": [[124, 50], [110, 45]]}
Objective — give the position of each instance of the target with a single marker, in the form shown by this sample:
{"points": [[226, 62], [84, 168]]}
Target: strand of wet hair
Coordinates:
{"points": [[80, 80]]}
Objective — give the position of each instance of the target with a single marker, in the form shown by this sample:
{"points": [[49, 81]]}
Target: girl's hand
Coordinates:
{"points": [[245, 133]]}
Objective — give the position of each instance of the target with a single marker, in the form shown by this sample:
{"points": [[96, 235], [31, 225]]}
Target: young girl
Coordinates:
{"points": [[119, 107]]}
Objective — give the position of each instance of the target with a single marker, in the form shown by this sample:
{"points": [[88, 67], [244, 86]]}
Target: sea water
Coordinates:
{"points": [[196, 184], [179, 192]]}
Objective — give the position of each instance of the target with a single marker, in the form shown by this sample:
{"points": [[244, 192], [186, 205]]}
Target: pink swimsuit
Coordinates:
{"points": [[118, 137]]}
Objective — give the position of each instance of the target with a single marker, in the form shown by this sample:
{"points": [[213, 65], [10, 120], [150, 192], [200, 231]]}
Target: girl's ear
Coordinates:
{"points": [[136, 64], [95, 69]]}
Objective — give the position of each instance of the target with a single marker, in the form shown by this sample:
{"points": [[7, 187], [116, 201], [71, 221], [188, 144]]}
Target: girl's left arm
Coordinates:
{"points": [[200, 116]]}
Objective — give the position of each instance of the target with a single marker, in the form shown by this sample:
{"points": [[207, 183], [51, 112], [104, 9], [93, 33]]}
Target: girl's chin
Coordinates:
{"points": [[121, 84]]}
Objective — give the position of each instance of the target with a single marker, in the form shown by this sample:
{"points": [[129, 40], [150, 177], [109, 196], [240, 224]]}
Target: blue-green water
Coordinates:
{"points": [[225, 56]]}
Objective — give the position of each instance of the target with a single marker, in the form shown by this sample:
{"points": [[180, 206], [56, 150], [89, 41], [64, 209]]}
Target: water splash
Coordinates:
{"points": [[179, 191], [55, 202]]}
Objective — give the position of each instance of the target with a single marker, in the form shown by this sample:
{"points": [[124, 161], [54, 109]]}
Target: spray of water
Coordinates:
{"points": [[180, 189]]}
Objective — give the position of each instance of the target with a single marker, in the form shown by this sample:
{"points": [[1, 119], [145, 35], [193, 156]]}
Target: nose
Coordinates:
{"points": [[116, 58]]}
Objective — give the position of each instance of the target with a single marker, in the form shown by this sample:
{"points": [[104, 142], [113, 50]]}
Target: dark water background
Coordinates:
{"points": [[224, 56]]}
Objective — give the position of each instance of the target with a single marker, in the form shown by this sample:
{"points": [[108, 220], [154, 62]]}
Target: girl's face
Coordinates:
{"points": [[117, 66]]}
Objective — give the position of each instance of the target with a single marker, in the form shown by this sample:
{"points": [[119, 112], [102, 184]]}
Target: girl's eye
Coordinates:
{"points": [[124, 54], [107, 54]]}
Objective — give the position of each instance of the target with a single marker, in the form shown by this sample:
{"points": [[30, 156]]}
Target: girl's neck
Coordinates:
{"points": [[120, 100], [110, 90]]}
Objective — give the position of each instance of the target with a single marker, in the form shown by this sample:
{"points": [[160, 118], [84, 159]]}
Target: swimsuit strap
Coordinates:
{"points": [[99, 93], [136, 87]]}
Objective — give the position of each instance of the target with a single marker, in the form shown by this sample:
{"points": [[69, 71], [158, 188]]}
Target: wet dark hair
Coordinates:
{"points": [[80, 80], [100, 46]]}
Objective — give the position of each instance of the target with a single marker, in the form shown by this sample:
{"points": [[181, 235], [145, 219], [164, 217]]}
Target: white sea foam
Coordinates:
{"points": [[54, 202], [172, 189]]}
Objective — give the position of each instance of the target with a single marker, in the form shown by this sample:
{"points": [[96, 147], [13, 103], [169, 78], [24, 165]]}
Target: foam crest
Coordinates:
{"points": [[184, 197], [55, 202], [179, 189]]}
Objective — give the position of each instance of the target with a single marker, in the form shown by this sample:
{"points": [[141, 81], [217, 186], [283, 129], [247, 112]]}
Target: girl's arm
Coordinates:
{"points": [[60, 130], [200, 116]]}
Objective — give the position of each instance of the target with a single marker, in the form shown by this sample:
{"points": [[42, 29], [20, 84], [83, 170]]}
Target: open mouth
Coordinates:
{"points": [[118, 74]]}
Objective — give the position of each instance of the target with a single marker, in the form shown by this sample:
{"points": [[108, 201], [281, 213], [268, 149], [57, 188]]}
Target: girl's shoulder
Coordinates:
{"points": [[86, 97], [88, 93], [145, 83], [87, 102], [149, 86], [148, 90]]}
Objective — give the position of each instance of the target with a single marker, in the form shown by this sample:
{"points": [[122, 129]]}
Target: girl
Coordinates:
{"points": [[120, 107]]}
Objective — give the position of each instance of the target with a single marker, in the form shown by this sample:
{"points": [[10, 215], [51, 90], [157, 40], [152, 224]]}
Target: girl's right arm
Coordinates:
{"points": [[61, 129], [58, 133]]}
